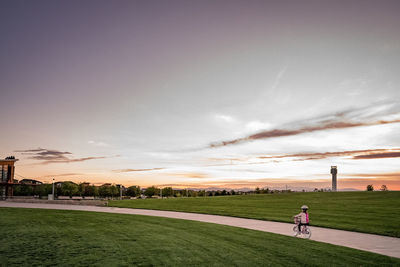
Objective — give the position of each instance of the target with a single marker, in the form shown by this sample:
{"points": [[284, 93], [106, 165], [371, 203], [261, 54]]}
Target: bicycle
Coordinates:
{"points": [[305, 229]]}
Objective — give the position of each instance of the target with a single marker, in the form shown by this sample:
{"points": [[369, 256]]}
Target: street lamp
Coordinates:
{"points": [[52, 191]]}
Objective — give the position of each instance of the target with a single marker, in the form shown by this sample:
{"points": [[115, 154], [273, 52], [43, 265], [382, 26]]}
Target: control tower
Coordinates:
{"points": [[334, 178]]}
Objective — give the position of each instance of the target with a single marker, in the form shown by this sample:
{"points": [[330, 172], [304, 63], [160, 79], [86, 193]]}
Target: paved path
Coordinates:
{"points": [[385, 245]]}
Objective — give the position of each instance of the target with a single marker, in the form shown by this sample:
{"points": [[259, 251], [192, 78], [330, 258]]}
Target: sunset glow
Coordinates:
{"points": [[198, 94]]}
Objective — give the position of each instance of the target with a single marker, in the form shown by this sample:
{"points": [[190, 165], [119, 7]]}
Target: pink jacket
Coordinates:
{"points": [[303, 217]]}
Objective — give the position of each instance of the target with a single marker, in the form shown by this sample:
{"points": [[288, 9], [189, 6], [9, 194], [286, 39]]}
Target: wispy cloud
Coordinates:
{"points": [[365, 116], [63, 174], [305, 156], [48, 156], [224, 118], [100, 144], [139, 170], [386, 175], [197, 175], [356, 154], [379, 155], [278, 79]]}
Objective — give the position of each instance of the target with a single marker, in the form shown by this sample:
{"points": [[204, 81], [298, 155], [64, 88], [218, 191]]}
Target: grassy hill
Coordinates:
{"points": [[34, 237], [370, 212]]}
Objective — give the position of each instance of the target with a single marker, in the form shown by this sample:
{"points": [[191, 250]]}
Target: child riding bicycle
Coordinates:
{"points": [[302, 219]]}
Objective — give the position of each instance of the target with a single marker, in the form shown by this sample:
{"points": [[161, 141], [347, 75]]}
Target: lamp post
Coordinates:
{"points": [[52, 191]]}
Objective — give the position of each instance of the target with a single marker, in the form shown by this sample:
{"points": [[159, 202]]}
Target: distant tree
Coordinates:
{"points": [[114, 190], [167, 192], [84, 189], [384, 188], [95, 190], [233, 192], [89, 191], [370, 187], [223, 192], [202, 193], [133, 191], [69, 189], [151, 191], [315, 189], [258, 191], [105, 191], [192, 193], [23, 190], [265, 191], [42, 190]]}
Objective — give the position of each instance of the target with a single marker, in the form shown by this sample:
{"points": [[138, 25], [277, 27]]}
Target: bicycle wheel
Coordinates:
{"points": [[295, 230], [307, 232]]}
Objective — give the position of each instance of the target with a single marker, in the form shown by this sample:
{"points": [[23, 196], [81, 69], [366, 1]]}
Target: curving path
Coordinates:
{"points": [[385, 245]]}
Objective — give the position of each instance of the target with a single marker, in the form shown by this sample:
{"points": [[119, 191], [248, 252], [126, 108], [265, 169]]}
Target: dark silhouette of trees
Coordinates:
{"points": [[151, 191], [134, 191]]}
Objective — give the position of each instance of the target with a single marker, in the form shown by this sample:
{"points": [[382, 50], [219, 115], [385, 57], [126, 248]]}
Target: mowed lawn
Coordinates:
{"points": [[370, 212], [34, 237]]}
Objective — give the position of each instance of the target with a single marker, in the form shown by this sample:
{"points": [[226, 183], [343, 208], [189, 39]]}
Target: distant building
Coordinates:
{"points": [[334, 178], [7, 170]]}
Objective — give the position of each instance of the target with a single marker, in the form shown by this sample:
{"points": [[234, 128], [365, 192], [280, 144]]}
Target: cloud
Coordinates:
{"points": [[48, 156], [356, 154], [138, 170], [378, 155], [304, 156], [72, 160], [45, 154], [63, 174], [257, 126], [387, 175], [196, 175], [225, 118], [278, 78], [100, 144], [365, 116]]}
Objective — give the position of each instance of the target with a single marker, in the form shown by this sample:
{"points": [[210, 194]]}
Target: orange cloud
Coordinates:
{"points": [[365, 116], [284, 132], [138, 170], [357, 154], [189, 175], [378, 155]]}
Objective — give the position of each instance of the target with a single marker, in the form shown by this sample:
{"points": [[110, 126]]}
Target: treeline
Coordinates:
{"points": [[72, 189], [269, 191], [170, 192], [67, 189]]}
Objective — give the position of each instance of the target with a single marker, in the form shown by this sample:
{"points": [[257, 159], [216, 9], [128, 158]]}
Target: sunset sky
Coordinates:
{"points": [[230, 94]]}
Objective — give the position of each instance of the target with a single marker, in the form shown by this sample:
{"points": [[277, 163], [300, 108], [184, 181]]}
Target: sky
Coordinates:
{"points": [[202, 94]]}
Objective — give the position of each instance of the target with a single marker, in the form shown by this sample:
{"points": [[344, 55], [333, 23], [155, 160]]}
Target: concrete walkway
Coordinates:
{"points": [[385, 245]]}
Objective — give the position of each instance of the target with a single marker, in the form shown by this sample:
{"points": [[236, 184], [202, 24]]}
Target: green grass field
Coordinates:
{"points": [[33, 237], [370, 212]]}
